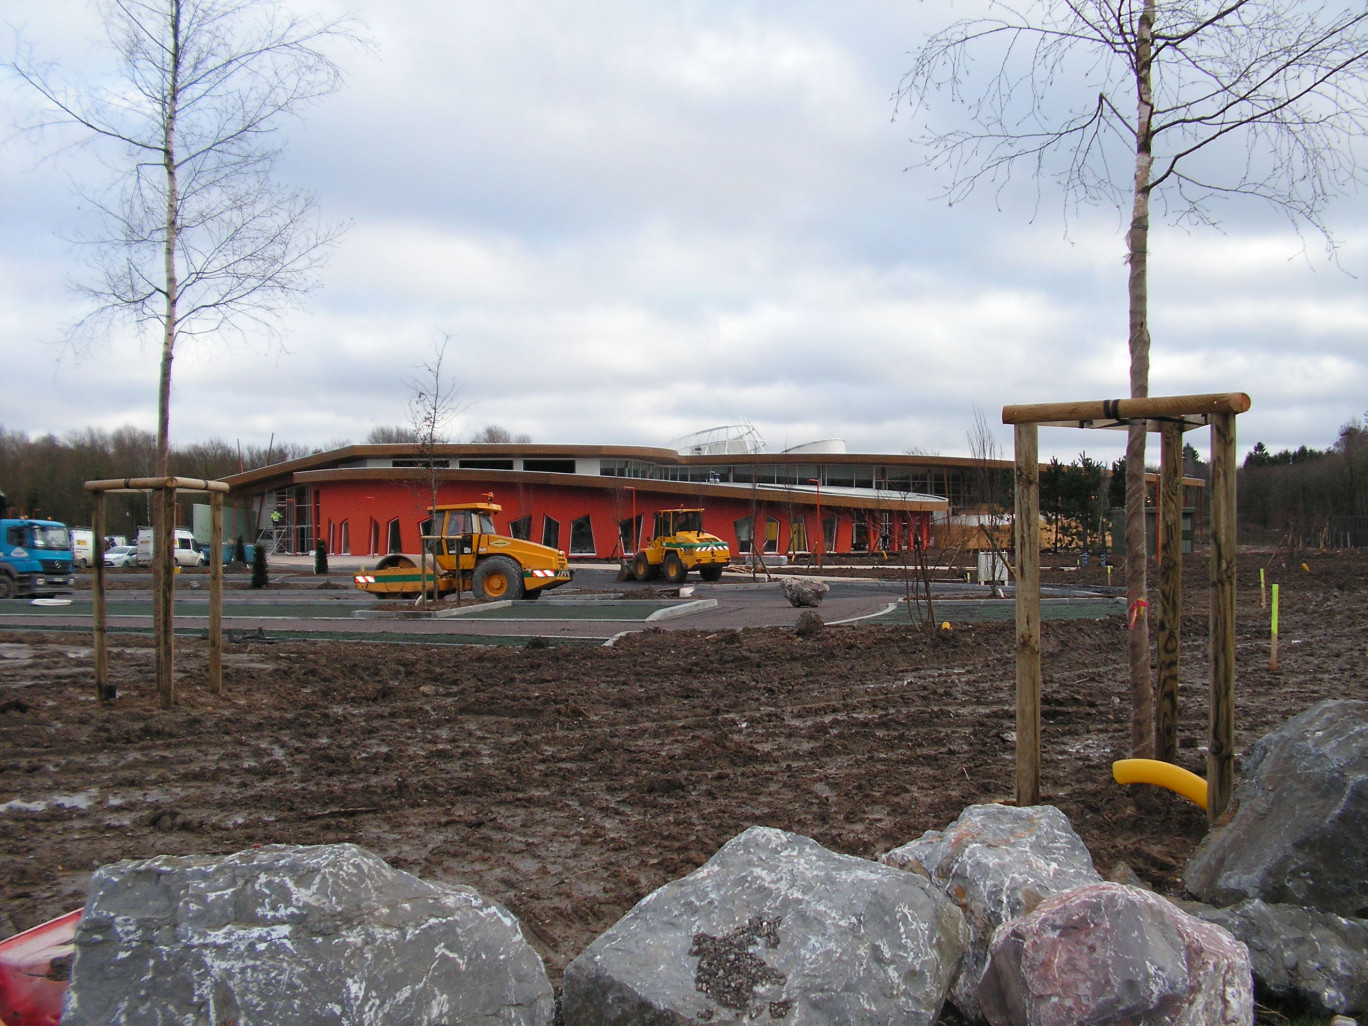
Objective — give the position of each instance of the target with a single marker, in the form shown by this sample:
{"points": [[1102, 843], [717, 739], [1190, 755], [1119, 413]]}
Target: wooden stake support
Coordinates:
{"points": [[1172, 416], [163, 580]]}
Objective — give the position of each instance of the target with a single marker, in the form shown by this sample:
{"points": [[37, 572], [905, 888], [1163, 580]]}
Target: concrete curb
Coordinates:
{"points": [[685, 609]]}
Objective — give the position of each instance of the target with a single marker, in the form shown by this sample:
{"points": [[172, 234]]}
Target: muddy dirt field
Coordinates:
{"points": [[567, 783]]}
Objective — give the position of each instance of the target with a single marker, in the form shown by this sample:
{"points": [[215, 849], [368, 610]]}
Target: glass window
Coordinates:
{"points": [[859, 535], [582, 536], [53, 538], [396, 540], [521, 528], [829, 534], [550, 533], [629, 531], [771, 534], [344, 538], [798, 535], [744, 536]]}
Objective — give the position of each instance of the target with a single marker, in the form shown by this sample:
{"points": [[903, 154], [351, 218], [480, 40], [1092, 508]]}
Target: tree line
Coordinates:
{"points": [[1308, 496], [45, 476], [1312, 496]]}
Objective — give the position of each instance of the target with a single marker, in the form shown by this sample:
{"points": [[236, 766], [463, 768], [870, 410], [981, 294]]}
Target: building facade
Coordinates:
{"points": [[595, 501]]}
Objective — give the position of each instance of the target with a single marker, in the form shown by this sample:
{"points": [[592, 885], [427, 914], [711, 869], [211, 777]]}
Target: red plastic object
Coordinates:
{"points": [[35, 967]]}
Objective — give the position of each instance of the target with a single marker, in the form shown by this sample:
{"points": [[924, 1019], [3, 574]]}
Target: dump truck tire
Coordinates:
{"points": [[8, 587], [498, 577], [674, 569], [641, 566], [712, 572]]}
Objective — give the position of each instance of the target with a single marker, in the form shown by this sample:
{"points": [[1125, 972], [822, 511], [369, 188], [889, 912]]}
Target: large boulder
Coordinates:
{"points": [[284, 935], [803, 591], [1319, 958], [774, 927], [996, 862], [1297, 829], [1109, 954]]}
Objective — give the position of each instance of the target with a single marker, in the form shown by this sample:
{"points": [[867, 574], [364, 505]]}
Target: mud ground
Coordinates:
{"points": [[568, 783]]}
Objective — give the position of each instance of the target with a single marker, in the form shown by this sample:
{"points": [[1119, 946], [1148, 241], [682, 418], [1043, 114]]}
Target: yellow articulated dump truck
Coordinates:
{"points": [[466, 553], [679, 544]]}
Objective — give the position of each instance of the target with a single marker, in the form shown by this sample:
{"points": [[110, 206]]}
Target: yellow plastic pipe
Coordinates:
{"points": [[1162, 774]]}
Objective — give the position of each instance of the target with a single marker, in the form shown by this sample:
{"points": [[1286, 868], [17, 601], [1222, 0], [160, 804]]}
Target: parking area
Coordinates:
{"points": [[595, 608]]}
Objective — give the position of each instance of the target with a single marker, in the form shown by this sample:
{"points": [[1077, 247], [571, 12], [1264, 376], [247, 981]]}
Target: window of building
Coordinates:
{"points": [[582, 536], [425, 464], [521, 528], [550, 466], [396, 540], [744, 534], [344, 538], [829, 534], [629, 532], [374, 549], [486, 464], [859, 535], [798, 535], [885, 532], [771, 534], [550, 532]]}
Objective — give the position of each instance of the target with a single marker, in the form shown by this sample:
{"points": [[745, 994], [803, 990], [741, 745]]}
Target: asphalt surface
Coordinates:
{"points": [[595, 608]]}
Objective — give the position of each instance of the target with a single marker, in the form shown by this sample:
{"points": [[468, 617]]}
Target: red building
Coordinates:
{"points": [[594, 501]]}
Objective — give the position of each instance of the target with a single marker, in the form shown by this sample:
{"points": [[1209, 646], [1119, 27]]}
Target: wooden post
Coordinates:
{"points": [[97, 602], [1170, 591], [216, 593], [1026, 532], [1221, 727], [165, 596]]}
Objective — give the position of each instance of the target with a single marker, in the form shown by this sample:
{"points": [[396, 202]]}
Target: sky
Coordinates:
{"points": [[638, 220]]}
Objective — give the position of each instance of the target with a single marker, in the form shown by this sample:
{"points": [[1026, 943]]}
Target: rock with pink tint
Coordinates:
{"points": [[1107, 954]]}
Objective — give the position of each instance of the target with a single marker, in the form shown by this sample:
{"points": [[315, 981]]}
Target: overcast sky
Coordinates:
{"points": [[641, 219]]}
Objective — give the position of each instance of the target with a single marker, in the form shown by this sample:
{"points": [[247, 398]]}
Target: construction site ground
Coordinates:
{"points": [[567, 781]]}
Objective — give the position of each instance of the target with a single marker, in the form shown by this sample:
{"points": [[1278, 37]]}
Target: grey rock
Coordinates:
{"points": [[1297, 829], [285, 935], [996, 862], [1318, 957], [773, 928], [1110, 954], [803, 591]]}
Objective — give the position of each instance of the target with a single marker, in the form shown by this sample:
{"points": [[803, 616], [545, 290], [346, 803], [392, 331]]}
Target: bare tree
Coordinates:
{"points": [[1123, 100], [495, 434], [432, 406], [196, 237], [391, 434]]}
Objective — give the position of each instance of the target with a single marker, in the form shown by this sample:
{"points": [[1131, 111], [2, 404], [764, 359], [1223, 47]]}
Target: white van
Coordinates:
{"points": [[82, 546], [186, 553]]}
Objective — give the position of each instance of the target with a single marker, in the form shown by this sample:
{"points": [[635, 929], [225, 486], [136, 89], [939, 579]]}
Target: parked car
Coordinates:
{"points": [[121, 555]]}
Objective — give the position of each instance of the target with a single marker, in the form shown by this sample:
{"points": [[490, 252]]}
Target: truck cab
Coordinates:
{"points": [[35, 559]]}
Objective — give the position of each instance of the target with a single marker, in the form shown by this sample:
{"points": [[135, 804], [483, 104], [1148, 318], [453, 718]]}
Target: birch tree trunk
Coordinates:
{"points": [[163, 530], [1137, 245]]}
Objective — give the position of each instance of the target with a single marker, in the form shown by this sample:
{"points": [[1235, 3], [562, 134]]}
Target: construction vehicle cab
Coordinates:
{"points": [[464, 552], [679, 544]]}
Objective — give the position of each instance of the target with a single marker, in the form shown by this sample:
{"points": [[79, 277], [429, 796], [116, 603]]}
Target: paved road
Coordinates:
{"points": [[596, 607]]}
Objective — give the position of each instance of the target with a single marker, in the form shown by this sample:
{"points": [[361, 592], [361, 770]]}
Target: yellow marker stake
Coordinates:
{"points": [[1273, 652], [1263, 591], [1108, 575]]}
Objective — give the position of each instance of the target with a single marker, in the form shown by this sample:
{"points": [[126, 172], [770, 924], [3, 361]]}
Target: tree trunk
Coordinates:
{"points": [[1137, 244], [163, 526]]}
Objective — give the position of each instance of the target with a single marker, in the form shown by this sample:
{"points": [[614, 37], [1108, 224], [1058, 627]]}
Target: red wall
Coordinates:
{"points": [[361, 502]]}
